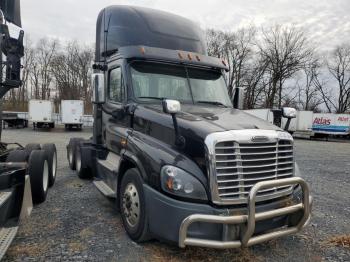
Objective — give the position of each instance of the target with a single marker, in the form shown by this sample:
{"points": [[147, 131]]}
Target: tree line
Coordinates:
{"points": [[277, 66], [53, 71]]}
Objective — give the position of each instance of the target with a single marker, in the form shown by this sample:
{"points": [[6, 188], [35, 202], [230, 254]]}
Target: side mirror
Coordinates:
{"points": [[238, 97], [171, 106], [289, 112], [98, 88]]}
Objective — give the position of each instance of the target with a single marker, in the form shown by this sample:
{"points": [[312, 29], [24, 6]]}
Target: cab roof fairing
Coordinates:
{"points": [[165, 55]]}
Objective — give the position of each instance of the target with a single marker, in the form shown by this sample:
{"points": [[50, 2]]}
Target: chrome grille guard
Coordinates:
{"points": [[248, 221]]}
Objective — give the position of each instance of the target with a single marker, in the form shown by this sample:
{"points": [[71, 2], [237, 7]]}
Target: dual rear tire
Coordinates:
{"points": [[76, 158], [41, 167]]}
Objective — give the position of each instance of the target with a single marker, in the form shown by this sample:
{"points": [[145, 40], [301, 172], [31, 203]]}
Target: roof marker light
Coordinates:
{"points": [[142, 50], [198, 58], [189, 57], [180, 55]]}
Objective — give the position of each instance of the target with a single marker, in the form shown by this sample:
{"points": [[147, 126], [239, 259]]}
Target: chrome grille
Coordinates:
{"points": [[240, 165]]}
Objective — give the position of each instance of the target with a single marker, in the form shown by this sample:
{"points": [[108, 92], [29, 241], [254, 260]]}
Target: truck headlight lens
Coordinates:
{"points": [[180, 183]]}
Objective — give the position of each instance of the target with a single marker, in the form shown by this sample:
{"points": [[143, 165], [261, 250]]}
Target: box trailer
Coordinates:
{"points": [[331, 124], [264, 114], [41, 113], [301, 126], [72, 112]]}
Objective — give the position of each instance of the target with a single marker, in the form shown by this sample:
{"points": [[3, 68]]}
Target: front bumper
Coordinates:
{"points": [[203, 225]]}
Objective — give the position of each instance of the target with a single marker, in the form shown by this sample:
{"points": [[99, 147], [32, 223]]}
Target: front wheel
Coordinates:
{"points": [[133, 206]]}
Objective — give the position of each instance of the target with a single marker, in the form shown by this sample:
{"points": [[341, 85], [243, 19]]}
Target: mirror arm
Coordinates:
{"points": [[287, 124], [179, 139]]}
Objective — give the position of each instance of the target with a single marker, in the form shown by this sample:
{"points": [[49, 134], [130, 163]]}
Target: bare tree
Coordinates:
{"points": [[309, 96], [339, 67], [236, 49], [285, 49], [71, 69]]}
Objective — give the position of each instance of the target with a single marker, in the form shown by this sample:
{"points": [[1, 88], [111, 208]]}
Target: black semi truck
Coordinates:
{"points": [[26, 172], [183, 162]]}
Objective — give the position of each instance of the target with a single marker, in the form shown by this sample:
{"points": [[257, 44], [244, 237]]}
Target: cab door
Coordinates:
{"points": [[116, 123]]}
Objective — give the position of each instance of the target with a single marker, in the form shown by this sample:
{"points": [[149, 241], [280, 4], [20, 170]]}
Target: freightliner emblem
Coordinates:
{"points": [[257, 139]]}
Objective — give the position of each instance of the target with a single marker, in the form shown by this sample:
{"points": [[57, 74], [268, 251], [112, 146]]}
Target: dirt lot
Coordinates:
{"points": [[77, 223]]}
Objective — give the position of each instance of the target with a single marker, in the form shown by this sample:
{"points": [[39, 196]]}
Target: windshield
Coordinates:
{"points": [[188, 85]]}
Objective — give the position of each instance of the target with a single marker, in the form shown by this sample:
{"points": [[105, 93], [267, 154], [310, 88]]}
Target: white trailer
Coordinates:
{"points": [[264, 114], [42, 113], [72, 112], [331, 124], [301, 126]]}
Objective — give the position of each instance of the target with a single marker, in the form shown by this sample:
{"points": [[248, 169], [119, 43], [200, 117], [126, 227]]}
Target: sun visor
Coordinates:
{"points": [[12, 11]]}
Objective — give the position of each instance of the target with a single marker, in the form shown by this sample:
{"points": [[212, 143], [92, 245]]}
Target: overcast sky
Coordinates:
{"points": [[327, 22]]}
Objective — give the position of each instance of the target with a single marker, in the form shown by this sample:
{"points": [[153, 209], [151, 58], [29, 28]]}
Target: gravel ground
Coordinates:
{"points": [[76, 223]]}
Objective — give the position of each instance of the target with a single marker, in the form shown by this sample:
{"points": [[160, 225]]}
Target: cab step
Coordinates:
{"points": [[104, 189], [4, 196], [7, 234], [111, 163]]}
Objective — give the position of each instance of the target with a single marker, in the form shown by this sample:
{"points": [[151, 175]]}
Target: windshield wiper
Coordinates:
{"points": [[151, 97], [216, 103]]}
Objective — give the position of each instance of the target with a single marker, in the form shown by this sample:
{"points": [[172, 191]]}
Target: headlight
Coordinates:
{"points": [[180, 183]]}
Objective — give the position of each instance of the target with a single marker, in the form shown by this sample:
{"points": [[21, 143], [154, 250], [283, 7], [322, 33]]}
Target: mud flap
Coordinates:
{"points": [[27, 204]]}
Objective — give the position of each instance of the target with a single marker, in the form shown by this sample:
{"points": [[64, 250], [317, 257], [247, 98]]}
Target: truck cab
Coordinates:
{"points": [[183, 162]]}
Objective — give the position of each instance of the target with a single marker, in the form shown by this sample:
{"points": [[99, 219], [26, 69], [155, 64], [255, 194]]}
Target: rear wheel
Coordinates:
{"points": [[31, 147], [71, 150], [51, 152], [133, 207], [38, 170], [17, 156], [83, 172]]}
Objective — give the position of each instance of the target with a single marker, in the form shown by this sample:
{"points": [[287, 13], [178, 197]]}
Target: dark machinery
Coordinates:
{"points": [[26, 172]]}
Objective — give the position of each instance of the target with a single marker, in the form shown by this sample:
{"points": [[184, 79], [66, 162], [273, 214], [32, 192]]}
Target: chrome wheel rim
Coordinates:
{"points": [[54, 165], [70, 155], [78, 161], [45, 176], [131, 205]]}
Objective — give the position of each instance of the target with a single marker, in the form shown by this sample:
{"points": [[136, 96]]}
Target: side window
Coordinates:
{"points": [[116, 90]]}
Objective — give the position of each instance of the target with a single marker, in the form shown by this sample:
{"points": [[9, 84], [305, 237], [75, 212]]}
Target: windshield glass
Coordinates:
{"points": [[157, 81]]}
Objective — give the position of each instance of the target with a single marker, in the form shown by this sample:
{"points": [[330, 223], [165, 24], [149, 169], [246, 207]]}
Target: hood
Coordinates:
{"points": [[201, 120]]}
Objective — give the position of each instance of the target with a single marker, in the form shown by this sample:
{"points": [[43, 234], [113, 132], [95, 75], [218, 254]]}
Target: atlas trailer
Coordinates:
{"points": [[327, 124], [72, 112], [26, 172], [183, 163], [42, 113]]}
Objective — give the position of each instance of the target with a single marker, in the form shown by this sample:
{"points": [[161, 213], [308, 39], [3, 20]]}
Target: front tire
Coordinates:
{"points": [[38, 170], [132, 205], [51, 152]]}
